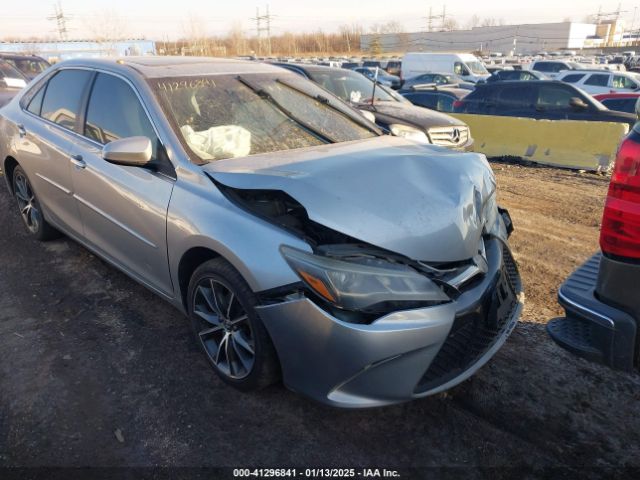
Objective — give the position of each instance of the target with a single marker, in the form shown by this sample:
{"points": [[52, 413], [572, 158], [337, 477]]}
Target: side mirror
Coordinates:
{"points": [[578, 103], [130, 151]]}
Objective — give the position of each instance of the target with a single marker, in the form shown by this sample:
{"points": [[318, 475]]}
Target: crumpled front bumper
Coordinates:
{"points": [[401, 356]]}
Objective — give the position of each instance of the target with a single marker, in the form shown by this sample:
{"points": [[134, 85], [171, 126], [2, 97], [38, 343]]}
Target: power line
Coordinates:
{"points": [[266, 18], [60, 19]]}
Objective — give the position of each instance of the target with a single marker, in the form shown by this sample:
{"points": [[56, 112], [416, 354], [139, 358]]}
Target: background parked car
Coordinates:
{"points": [[602, 298], [602, 81], [620, 102], [437, 79], [436, 98], [383, 77], [11, 82], [29, 65], [552, 100], [392, 112], [465, 65], [520, 75], [551, 68], [394, 67]]}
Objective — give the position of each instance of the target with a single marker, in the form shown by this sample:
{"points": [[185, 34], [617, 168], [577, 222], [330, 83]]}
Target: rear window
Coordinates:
{"points": [[573, 77], [63, 97], [598, 80]]}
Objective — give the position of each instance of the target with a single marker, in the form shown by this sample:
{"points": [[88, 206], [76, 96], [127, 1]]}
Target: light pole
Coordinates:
{"points": [[633, 23]]}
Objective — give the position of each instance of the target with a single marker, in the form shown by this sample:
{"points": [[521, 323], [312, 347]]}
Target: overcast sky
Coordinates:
{"points": [[158, 19]]}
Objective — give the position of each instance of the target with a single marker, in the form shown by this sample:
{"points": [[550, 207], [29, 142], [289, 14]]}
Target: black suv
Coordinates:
{"points": [[29, 65], [541, 99]]}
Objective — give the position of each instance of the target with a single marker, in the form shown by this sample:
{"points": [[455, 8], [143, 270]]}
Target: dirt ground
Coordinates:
{"points": [[97, 371]]}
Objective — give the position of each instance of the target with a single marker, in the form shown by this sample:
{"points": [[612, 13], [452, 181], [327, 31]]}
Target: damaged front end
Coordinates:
{"points": [[403, 292]]}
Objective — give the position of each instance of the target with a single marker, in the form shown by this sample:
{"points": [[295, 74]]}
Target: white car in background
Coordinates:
{"points": [[601, 81]]}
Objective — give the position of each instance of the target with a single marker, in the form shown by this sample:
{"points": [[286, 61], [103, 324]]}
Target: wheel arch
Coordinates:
{"points": [[189, 261], [8, 166]]}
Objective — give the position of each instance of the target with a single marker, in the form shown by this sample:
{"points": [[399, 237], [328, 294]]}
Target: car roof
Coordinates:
{"points": [[521, 83], [19, 56], [174, 66]]}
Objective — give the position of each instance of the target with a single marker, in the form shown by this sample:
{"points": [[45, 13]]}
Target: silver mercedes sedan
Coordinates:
{"points": [[361, 269]]}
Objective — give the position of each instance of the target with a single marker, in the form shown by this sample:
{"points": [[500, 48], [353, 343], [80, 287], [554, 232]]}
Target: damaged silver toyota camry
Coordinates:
{"points": [[362, 269]]}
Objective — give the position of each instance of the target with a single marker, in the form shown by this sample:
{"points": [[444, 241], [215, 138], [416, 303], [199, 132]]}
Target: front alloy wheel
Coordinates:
{"points": [[224, 329], [228, 327]]}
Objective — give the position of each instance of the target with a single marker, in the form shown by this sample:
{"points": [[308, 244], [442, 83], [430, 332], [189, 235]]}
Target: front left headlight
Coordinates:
{"points": [[368, 286], [400, 130]]}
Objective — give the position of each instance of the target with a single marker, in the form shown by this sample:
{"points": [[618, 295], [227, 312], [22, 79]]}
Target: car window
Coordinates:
{"points": [[35, 105], [573, 77], [63, 97], [425, 78], [543, 67], [228, 116], [598, 80], [460, 69], [428, 100], [114, 111], [620, 104], [516, 97], [623, 82], [445, 103], [554, 96], [28, 66]]}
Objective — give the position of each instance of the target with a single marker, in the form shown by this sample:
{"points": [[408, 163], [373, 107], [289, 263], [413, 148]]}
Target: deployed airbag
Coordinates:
{"points": [[225, 141]]}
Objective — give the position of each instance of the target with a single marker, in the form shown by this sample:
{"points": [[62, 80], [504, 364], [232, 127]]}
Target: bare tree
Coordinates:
{"points": [[108, 28], [473, 22], [450, 24]]}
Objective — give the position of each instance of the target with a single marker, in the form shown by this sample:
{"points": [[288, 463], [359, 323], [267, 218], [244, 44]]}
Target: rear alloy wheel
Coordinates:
{"points": [[29, 207], [227, 327]]}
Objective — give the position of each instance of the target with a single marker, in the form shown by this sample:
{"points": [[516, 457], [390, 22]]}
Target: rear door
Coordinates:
{"points": [[123, 208], [596, 83], [47, 141], [516, 100]]}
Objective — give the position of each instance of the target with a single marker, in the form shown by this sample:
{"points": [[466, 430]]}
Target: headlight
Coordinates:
{"points": [[411, 133], [358, 286]]}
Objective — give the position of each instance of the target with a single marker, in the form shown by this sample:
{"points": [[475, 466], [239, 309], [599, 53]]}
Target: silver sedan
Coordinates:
{"points": [[362, 269]]}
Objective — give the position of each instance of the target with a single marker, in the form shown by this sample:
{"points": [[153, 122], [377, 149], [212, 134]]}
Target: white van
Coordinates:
{"points": [[464, 65]]}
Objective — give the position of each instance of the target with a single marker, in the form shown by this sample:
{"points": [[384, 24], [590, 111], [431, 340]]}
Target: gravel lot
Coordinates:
{"points": [[97, 371]]}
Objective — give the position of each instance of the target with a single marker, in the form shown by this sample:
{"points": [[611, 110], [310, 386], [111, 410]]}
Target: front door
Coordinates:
{"points": [[124, 209]]}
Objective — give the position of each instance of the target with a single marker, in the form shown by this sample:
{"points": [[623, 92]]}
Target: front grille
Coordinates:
{"points": [[449, 136], [475, 331]]}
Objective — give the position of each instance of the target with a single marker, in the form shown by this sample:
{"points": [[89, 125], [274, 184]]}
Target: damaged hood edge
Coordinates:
{"points": [[420, 201]]}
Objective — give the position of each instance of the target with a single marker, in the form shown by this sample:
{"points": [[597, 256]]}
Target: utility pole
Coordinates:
{"points": [[444, 18], [259, 19], [60, 19], [431, 17]]}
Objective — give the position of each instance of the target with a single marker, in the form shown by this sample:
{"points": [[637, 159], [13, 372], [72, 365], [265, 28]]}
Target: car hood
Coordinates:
{"points": [[414, 199], [408, 113]]}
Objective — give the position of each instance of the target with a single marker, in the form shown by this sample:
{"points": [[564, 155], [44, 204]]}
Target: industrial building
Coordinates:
{"points": [[63, 50], [505, 39]]}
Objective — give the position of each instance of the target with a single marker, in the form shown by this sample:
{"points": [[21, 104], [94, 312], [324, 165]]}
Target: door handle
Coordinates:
{"points": [[21, 130], [78, 162]]}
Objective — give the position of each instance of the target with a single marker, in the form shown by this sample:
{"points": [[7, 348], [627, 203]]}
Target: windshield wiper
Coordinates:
{"points": [[325, 101], [262, 93]]}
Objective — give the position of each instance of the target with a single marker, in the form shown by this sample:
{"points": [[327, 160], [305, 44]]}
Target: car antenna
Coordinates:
{"points": [[375, 82]]}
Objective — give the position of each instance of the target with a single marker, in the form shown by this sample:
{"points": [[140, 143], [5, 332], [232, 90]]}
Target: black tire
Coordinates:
{"points": [[206, 297], [29, 207]]}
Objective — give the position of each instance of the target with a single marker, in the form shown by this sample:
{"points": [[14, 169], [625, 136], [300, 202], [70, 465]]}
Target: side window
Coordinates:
{"points": [[573, 77], [35, 105], [515, 97], [445, 103], [427, 100], [459, 69], [598, 80], [114, 112], [542, 66], [623, 82], [621, 104], [554, 96], [63, 97]]}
